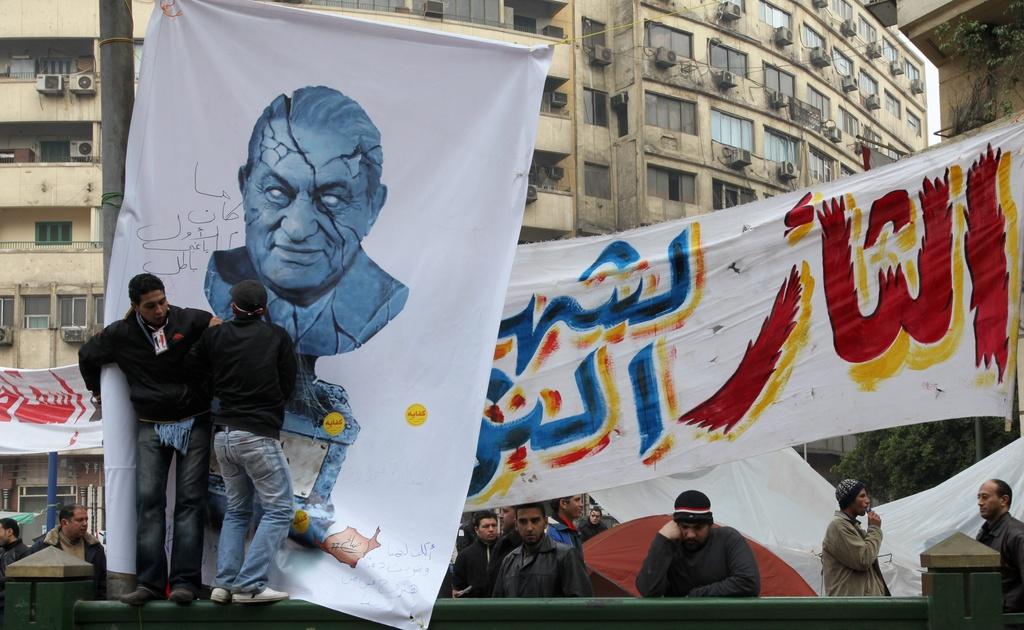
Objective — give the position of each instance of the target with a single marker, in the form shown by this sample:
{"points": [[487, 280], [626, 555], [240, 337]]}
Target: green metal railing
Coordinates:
{"points": [[66, 246]]}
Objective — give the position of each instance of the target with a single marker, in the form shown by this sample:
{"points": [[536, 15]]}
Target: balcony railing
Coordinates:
{"points": [[67, 246], [8, 158]]}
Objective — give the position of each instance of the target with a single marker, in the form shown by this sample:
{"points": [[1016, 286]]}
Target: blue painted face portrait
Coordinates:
{"points": [[311, 189]]}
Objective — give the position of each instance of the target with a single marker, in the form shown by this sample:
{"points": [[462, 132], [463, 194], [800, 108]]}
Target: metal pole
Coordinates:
{"points": [[51, 490], [117, 94]]}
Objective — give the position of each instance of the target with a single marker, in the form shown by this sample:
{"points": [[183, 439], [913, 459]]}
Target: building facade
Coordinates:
{"points": [[652, 110]]}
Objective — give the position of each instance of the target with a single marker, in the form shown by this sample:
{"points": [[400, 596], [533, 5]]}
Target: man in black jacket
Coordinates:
{"points": [[71, 536], [11, 550], [471, 576], [688, 558], [150, 346], [251, 367], [1005, 534], [540, 567]]}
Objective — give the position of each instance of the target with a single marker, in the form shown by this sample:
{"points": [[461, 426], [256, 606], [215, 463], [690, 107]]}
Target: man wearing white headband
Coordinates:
{"points": [[691, 558]]}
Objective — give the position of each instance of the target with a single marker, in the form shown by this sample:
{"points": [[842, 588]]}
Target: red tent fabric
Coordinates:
{"points": [[615, 555]]}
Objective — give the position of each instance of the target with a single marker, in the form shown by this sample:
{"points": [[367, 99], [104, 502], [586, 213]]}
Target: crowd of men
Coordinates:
{"points": [[543, 556]]}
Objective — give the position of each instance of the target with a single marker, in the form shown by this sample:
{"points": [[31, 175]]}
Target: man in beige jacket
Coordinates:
{"points": [[849, 555]]}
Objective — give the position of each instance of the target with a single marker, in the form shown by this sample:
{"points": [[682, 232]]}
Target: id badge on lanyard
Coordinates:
{"points": [[159, 341]]}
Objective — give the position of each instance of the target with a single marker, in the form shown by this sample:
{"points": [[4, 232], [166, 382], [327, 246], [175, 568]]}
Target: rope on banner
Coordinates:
{"points": [[117, 40]]}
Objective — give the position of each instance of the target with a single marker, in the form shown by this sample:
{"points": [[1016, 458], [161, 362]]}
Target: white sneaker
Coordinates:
{"points": [[220, 596], [265, 596]]}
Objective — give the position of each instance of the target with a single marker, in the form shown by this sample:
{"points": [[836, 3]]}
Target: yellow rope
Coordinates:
{"points": [[117, 40]]}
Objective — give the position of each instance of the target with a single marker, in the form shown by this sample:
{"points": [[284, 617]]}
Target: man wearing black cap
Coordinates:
{"points": [[689, 558], [849, 555], [251, 367]]}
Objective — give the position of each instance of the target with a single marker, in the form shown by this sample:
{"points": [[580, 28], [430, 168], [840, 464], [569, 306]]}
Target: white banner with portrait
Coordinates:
{"points": [[882, 299], [373, 177]]}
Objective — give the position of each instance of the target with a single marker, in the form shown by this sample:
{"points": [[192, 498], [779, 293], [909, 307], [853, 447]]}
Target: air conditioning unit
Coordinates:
{"points": [[620, 100], [873, 102], [72, 334], [778, 100], [848, 28], [81, 151], [834, 134], [531, 193], [783, 36], [664, 57], [83, 84], [553, 31], [917, 86], [600, 55], [556, 172], [50, 84], [895, 68], [559, 100], [821, 57], [729, 11], [6, 335], [820, 4], [725, 79], [849, 84], [787, 171], [433, 8], [874, 50], [738, 158]]}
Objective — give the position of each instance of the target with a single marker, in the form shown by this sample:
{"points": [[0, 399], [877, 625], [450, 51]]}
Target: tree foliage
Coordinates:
{"points": [[993, 54], [897, 462]]}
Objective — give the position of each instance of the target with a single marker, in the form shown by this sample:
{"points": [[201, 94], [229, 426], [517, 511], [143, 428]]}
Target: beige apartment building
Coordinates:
{"points": [[652, 110]]}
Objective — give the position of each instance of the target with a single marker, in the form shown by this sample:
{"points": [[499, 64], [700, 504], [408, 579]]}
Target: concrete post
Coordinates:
{"points": [[42, 589]]}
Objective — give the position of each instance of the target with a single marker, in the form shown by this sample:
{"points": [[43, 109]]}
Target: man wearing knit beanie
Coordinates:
{"points": [[849, 555], [690, 558]]}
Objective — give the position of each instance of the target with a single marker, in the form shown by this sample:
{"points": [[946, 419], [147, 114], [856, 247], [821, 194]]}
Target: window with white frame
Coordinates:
{"points": [[732, 131], [671, 185], [842, 9], [780, 147], [779, 81], [597, 181], [72, 310], [820, 102], [811, 37], [842, 63], [6, 310], [726, 195], [914, 123], [892, 104], [849, 123], [820, 166], [891, 53], [37, 311], [725, 58], [679, 42], [866, 31], [670, 113], [868, 86], [774, 16]]}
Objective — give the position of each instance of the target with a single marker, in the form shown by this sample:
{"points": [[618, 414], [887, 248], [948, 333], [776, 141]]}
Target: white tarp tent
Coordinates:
{"points": [[778, 500]]}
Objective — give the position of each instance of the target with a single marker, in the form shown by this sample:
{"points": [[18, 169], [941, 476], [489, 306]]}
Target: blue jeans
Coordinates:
{"points": [[251, 465], [153, 462]]}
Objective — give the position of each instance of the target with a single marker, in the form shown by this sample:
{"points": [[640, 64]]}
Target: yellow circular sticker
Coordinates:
{"points": [[301, 522], [334, 423], [415, 414]]}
